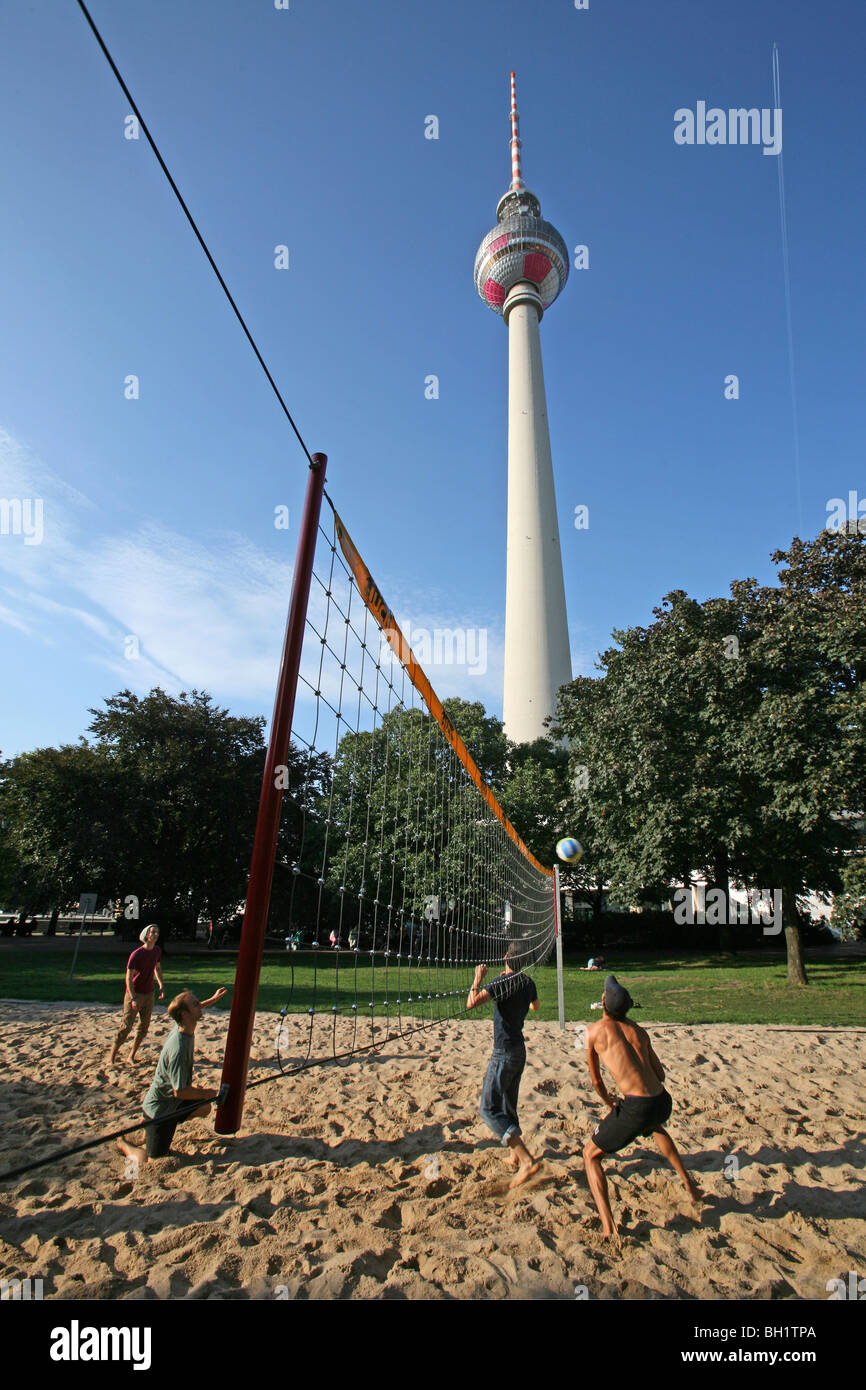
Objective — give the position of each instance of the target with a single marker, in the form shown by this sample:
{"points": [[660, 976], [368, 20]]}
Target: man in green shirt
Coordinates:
{"points": [[172, 1089]]}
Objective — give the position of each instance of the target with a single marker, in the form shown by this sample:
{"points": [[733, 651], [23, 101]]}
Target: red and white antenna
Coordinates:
{"points": [[516, 175]]}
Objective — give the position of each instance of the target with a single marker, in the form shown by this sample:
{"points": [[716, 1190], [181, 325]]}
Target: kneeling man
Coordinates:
{"points": [[168, 1100]]}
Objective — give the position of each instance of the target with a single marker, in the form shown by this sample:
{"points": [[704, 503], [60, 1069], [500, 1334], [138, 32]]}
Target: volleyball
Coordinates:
{"points": [[571, 851]]}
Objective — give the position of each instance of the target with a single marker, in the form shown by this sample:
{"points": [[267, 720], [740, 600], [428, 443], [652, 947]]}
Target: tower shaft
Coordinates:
{"points": [[537, 653]]}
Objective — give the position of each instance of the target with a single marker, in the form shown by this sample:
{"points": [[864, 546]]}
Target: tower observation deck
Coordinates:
{"points": [[520, 269]]}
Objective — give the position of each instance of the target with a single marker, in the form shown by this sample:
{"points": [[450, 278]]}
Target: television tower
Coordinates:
{"points": [[520, 269]]}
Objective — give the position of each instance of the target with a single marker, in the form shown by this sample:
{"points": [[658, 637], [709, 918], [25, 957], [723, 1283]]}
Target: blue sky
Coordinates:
{"points": [[306, 128]]}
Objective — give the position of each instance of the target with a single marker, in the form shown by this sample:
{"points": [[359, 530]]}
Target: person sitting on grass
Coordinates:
{"points": [[513, 995], [172, 1089], [645, 1106]]}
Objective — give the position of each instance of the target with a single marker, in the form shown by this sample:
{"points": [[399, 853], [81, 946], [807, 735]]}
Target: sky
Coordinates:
{"points": [[145, 550]]}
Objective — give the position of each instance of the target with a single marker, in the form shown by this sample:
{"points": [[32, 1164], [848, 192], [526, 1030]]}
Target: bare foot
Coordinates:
{"points": [[132, 1152], [512, 1162], [524, 1173]]}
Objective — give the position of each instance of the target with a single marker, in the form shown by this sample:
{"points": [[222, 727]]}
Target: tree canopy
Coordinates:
{"points": [[159, 804], [729, 737]]}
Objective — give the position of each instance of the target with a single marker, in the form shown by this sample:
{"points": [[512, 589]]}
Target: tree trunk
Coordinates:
{"points": [[721, 879], [598, 919], [791, 919]]}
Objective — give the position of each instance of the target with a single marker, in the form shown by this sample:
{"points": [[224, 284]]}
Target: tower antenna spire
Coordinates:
{"points": [[516, 175]]}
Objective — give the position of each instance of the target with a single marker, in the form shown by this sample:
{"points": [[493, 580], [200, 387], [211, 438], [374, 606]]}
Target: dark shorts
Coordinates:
{"points": [[158, 1136], [633, 1116]]}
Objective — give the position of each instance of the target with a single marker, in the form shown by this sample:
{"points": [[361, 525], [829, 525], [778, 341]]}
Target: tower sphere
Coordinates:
{"points": [[521, 247]]}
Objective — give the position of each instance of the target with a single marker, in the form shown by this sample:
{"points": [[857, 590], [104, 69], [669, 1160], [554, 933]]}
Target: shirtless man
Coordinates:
{"points": [[629, 1057]]}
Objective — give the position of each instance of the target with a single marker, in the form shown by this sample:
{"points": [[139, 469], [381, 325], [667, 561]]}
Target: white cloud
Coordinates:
{"points": [[12, 619], [208, 611]]}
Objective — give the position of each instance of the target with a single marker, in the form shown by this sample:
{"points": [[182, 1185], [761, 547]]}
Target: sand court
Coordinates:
{"points": [[378, 1180]]}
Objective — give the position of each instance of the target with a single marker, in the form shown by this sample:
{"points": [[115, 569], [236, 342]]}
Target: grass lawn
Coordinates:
{"points": [[671, 989]]}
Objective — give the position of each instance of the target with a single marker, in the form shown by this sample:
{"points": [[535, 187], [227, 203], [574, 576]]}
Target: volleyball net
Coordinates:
{"points": [[395, 870]]}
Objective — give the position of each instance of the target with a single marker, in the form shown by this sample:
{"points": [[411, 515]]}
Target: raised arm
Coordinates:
{"points": [[217, 994], [476, 994]]}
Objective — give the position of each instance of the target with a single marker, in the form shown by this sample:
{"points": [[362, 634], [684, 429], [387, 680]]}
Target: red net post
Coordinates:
{"points": [[237, 1054]]}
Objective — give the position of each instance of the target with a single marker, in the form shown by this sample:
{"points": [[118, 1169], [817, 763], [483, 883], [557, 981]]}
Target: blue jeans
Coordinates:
{"points": [[499, 1093]]}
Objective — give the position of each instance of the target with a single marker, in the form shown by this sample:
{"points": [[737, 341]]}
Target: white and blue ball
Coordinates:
{"points": [[570, 851]]}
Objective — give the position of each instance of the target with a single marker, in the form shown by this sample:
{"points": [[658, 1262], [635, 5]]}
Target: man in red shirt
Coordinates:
{"points": [[141, 970]]}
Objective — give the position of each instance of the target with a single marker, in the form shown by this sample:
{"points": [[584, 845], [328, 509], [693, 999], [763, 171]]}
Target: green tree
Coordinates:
{"points": [[849, 905], [188, 775], [161, 804], [729, 737], [484, 737], [59, 825], [805, 742], [405, 825], [534, 796]]}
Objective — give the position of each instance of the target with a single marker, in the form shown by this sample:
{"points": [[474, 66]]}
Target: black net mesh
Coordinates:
{"points": [[396, 870]]}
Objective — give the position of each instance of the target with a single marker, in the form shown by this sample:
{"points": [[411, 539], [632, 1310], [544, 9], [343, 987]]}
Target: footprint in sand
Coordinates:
{"points": [[439, 1187], [391, 1219]]}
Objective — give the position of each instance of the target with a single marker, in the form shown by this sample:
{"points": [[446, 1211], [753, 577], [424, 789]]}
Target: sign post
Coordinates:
{"points": [[86, 906], [557, 918]]}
